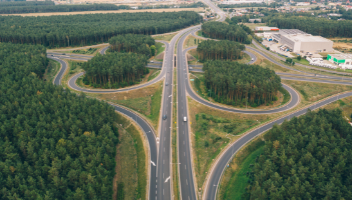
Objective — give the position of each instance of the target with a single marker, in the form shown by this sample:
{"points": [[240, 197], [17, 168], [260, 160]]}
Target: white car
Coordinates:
{"points": [[184, 119]]}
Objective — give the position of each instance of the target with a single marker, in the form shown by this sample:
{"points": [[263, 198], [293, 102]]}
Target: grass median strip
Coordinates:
{"points": [[51, 71], [165, 37], [235, 180], [130, 181]]}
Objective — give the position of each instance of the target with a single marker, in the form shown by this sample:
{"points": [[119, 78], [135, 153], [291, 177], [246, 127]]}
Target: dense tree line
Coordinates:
{"points": [[132, 43], [223, 50], [89, 29], [314, 26], [219, 30], [115, 70], [184, 5], [57, 8], [242, 5], [53, 143], [234, 83], [25, 3], [309, 157]]}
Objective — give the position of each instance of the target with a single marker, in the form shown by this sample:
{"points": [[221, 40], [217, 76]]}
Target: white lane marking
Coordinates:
{"points": [[152, 163], [168, 178], [186, 182]]}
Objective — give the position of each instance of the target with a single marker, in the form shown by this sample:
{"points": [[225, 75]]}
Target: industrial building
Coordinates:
{"points": [[265, 28], [306, 43], [300, 42], [242, 1], [342, 60]]}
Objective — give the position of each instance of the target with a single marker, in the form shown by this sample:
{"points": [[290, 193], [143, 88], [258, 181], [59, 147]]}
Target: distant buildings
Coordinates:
{"points": [[242, 1], [302, 4]]}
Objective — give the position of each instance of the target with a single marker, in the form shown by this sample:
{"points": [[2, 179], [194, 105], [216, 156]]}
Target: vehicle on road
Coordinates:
{"points": [[184, 119], [252, 59], [166, 83], [164, 117]]}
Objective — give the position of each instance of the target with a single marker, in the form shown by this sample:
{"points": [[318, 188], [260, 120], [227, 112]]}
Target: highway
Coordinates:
{"points": [[160, 182]]}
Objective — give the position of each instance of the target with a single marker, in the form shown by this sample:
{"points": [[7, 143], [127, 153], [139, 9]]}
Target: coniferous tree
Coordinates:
{"points": [[305, 158], [234, 83], [53, 143]]}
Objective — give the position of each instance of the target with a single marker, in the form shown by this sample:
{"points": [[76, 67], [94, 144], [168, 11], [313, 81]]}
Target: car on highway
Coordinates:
{"points": [[252, 59], [164, 117], [166, 83], [184, 119]]}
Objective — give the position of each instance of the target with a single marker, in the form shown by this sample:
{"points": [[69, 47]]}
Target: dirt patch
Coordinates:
{"points": [[160, 56], [110, 11], [137, 93]]}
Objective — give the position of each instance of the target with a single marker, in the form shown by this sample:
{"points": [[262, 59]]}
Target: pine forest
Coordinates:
{"points": [[219, 50], [132, 43], [115, 70], [25, 3], [82, 30], [219, 30], [237, 84], [309, 157], [40, 8], [314, 26], [54, 144]]}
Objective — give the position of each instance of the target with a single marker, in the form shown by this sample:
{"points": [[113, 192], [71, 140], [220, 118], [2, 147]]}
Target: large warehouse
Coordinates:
{"points": [[306, 43], [300, 42]]}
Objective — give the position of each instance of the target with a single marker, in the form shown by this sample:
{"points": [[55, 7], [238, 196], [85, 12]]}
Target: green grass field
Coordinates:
{"points": [[51, 71], [239, 179], [131, 159], [160, 47]]}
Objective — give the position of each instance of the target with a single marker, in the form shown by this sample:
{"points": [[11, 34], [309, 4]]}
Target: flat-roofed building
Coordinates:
{"points": [[345, 59], [306, 43]]}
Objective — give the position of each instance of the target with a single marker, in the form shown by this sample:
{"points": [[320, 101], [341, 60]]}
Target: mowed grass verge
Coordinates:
{"points": [[130, 181], [164, 37], [212, 130], [146, 101], [192, 41], [235, 180], [312, 91], [51, 71]]}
